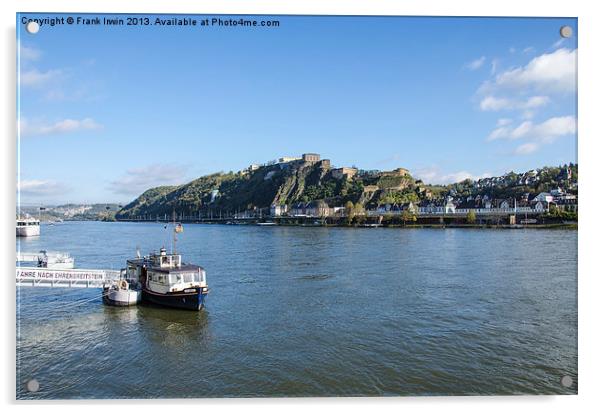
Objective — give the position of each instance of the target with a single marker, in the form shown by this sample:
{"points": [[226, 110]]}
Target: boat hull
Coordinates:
{"points": [[187, 301], [120, 298], [28, 231]]}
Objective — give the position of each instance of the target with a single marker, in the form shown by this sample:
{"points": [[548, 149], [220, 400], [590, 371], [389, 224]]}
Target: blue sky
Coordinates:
{"points": [[106, 113]]}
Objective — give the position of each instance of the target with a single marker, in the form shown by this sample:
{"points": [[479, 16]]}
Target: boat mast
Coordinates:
{"points": [[175, 239]]}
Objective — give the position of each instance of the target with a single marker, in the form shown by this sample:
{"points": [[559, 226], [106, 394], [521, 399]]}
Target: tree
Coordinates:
{"points": [[471, 217], [359, 213], [349, 211], [408, 215]]}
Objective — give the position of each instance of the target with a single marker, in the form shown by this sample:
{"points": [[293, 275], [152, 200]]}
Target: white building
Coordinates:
{"points": [[543, 197], [277, 210]]}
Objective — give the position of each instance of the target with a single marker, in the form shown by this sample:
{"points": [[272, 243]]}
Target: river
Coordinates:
{"points": [[311, 311]]}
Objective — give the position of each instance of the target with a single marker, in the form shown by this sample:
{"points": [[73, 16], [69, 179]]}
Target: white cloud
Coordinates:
{"points": [[504, 122], [521, 130], [499, 133], [475, 64], [537, 134], [549, 72], [35, 78], [433, 175], [29, 128], [552, 128], [491, 103], [558, 43], [526, 148], [137, 180], [545, 132], [37, 187], [528, 49], [28, 53]]}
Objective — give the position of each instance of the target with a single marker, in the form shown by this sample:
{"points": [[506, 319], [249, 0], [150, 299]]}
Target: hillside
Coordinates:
{"points": [[287, 183], [283, 183], [72, 212]]}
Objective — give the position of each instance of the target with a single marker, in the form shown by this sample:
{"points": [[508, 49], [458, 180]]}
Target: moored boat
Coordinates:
{"points": [[165, 280], [58, 260], [121, 293], [28, 227]]}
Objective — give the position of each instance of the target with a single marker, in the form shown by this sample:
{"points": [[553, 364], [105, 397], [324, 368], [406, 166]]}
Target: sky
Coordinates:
{"points": [[105, 113]]}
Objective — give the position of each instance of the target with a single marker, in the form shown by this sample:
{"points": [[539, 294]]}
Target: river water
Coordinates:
{"points": [[299, 311]]}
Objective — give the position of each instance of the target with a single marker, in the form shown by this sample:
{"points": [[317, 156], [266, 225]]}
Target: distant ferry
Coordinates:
{"points": [[28, 227]]}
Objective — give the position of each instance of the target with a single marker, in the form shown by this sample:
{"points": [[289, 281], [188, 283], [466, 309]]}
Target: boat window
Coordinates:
{"points": [[188, 277], [176, 278]]}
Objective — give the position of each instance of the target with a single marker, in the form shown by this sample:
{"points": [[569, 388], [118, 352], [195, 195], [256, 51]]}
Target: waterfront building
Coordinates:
{"points": [[318, 208], [450, 207], [277, 210], [298, 209], [541, 206], [568, 203]]}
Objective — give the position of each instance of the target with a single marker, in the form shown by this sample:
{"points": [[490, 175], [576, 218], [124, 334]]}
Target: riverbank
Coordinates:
{"points": [[326, 223]]}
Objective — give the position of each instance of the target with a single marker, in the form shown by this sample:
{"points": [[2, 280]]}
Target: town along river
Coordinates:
{"points": [[298, 311]]}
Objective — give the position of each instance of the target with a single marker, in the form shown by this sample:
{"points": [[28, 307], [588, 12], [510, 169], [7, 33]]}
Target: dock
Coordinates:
{"points": [[64, 278]]}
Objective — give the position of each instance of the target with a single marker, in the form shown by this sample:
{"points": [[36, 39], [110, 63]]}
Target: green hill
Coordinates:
{"points": [[286, 183], [299, 181]]}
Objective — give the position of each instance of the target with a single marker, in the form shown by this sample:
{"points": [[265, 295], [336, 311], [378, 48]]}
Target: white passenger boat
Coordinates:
{"points": [[28, 227]]}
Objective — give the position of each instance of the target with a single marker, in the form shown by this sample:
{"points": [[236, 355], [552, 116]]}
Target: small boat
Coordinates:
{"points": [[121, 293], [58, 260], [266, 224], [28, 227]]}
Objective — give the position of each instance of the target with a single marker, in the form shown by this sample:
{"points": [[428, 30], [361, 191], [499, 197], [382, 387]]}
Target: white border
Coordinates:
{"points": [[590, 183]]}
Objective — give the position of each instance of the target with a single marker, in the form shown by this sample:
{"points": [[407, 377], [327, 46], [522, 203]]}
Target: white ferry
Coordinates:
{"points": [[28, 227]]}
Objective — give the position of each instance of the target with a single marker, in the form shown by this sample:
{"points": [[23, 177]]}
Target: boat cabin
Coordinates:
{"points": [[164, 273]]}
